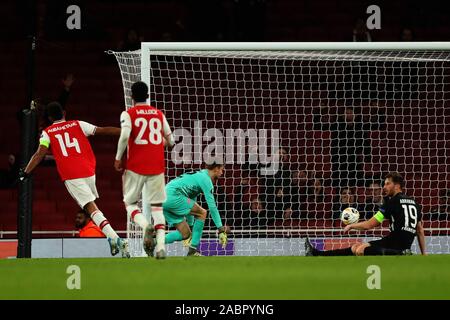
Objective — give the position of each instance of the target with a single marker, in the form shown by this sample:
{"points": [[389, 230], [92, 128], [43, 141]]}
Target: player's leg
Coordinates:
{"points": [[117, 242], [386, 246], [197, 231], [85, 192], [175, 209], [311, 251], [358, 249], [100, 220], [154, 193], [133, 184], [183, 231], [190, 221]]}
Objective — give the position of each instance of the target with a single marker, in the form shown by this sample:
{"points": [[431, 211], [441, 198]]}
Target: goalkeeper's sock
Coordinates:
{"points": [[337, 252], [160, 226], [173, 236], [190, 220], [377, 251], [197, 232], [136, 215], [101, 222]]}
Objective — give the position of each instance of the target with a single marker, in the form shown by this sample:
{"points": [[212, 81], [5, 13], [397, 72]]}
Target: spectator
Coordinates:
{"points": [[224, 206], [240, 190], [442, 212], [345, 199], [63, 98], [44, 122], [303, 190], [299, 191], [131, 40], [86, 227], [360, 32], [258, 216], [316, 192], [407, 35], [282, 177], [351, 146], [251, 166], [41, 103], [374, 199], [276, 193], [8, 176]]}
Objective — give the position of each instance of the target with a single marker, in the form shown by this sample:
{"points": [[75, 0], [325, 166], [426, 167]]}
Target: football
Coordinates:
{"points": [[349, 216]]}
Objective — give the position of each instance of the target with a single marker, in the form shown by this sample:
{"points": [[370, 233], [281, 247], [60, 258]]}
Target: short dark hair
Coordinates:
{"points": [[139, 91], [84, 212], [213, 165], [396, 178], [55, 111]]}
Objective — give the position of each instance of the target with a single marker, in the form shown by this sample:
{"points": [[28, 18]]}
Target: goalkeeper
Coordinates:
{"points": [[181, 209]]}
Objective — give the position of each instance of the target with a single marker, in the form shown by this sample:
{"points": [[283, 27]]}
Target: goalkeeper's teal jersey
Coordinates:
{"points": [[193, 184]]}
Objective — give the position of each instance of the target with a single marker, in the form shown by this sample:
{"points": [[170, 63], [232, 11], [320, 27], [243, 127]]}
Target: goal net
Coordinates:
{"points": [[303, 134]]}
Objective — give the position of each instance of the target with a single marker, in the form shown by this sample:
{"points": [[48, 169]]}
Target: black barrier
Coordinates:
{"points": [[25, 194]]}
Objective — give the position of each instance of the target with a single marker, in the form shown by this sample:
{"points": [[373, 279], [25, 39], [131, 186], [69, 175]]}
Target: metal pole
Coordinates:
{"points": [[29, 137]]}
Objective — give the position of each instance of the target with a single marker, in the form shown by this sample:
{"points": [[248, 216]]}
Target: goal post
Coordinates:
{"points": [[304, 130]]}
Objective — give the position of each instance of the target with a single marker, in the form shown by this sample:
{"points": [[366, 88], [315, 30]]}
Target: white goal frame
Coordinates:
{"points": [[352, 47], [148, 47]]}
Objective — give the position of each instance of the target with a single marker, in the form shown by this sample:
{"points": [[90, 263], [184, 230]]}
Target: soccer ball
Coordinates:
{"points": [[349, 216]]}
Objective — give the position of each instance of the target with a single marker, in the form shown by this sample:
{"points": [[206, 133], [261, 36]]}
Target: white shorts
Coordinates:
{"points": [[149, 188], [82, 190]]}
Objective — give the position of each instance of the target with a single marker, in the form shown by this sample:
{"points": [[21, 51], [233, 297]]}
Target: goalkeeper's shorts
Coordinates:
{"points": [[176, 208]]}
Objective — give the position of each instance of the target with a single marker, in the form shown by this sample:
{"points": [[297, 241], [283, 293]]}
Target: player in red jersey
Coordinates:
{"points": [[75, 162], [145, 132]]}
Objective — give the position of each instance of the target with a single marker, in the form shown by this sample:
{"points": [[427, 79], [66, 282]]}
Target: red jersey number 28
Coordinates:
{"points": [[155, 126]]}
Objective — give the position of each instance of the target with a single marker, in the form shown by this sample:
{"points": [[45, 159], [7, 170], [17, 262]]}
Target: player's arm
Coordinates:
{"points": [[125, 124], [366, 225], [91, 130], [421, 237], [107, 131], [38, 156], [169, 140], [209, 197]]}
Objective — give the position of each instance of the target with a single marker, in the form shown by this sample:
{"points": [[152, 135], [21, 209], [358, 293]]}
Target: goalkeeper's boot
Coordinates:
{"points": [[113, 246], [309, 249], [193, 252], [123, 246], [161, 254], [149, 240], [187, 242]]}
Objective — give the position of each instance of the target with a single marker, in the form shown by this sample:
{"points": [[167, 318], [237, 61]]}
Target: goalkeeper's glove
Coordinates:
{"points": [[22, 174], [223, 238]]}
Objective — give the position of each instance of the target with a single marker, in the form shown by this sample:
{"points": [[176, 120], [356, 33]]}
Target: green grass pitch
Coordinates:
{"points": [[407, 277]]}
